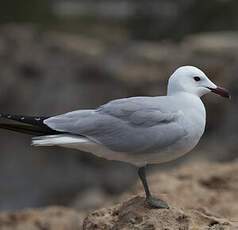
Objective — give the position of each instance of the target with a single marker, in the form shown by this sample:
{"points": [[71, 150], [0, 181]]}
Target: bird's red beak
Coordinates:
{"points": [[221, 91]]}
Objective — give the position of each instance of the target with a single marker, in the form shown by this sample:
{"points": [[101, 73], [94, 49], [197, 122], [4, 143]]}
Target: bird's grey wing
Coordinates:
{"points": [[133, 125]]}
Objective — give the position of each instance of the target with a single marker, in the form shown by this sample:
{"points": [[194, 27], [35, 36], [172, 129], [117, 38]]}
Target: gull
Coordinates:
{"points": [[137, 130]]}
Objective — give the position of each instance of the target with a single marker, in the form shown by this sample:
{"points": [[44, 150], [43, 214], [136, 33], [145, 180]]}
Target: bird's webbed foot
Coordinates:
{"points": [[156, 203]]}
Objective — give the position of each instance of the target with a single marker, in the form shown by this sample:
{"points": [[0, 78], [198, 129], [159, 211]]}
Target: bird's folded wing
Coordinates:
{"points": [[133, 125]]}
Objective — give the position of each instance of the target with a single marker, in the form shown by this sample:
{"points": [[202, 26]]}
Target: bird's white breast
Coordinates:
{"points": [[193, 120]]}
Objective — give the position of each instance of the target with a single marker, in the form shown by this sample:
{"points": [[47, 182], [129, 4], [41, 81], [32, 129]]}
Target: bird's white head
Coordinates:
{"points": [[192, 80]]}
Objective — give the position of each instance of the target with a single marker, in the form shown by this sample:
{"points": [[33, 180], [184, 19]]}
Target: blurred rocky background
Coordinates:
{"points": [[57, 56]]}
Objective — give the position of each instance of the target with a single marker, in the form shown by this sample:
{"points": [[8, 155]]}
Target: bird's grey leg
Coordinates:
{"points": [[151, 201]]}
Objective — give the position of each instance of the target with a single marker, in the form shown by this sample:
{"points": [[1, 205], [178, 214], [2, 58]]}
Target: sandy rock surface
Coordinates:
{"points": [[208, 187], [133, 214], [52, 218], [201, 196]]}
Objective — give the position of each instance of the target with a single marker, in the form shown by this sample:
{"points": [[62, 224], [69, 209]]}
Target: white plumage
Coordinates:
{"points": [[139, 130]]}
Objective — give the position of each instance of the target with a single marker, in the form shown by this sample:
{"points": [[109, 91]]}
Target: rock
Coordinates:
{"points": [[208, 187], [54, 218], [131, 214], [201, 196], [134, 214]]}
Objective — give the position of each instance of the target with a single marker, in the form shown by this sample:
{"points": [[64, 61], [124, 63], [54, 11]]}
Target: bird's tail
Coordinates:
{"points": [[25, 124]]}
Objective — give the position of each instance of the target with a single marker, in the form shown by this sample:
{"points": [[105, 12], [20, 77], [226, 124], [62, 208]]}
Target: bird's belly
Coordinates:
{"points": [[170, 153]]}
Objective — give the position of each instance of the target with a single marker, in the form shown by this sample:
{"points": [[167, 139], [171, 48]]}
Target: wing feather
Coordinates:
{"points": [[132, 125]]}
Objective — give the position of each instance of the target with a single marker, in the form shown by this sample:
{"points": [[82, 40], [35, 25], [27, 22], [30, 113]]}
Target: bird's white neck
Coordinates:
{"points": [[188, 101]]}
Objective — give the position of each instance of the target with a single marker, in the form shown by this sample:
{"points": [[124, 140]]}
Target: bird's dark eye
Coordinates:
{"points": [[197, 78]]}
